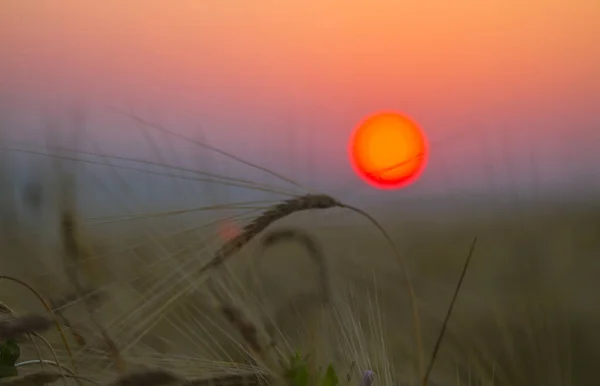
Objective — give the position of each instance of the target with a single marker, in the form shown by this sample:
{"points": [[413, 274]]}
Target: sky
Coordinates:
{"points": [[507, 92]]}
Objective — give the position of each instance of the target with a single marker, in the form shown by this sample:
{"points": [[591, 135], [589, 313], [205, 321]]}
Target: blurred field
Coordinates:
{"points": [[117, 195], [527, 313]]}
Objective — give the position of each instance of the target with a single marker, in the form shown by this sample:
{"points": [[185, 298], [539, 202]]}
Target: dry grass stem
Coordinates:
{"points": [[450, 308], [93, 296], [47, 362]]}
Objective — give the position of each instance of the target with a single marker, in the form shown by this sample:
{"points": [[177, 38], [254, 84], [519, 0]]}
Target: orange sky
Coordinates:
{"points": [[526, 66], [305, 45]]}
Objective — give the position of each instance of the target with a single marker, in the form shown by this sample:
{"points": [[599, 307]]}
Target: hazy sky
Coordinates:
{"points": [[507, 91]]}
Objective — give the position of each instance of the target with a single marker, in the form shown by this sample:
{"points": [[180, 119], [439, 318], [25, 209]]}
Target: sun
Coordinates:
{"points": [[388, 150]]}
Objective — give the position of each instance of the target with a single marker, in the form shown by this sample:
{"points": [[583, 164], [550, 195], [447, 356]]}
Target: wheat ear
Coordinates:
{"points": [[318, 201], [268, 217]]}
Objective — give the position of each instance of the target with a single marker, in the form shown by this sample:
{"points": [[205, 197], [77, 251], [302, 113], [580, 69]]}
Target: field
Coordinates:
{"points": [[135, 293]]}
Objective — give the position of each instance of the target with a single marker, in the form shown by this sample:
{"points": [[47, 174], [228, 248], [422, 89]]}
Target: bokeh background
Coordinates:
{"points": [[506, 91]]}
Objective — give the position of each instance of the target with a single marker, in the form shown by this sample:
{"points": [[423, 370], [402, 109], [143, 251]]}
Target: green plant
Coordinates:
{"points": [[9, 354], [298, 373]]}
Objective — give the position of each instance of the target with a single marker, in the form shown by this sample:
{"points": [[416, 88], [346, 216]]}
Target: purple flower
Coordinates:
{"points": [[367, 379]]}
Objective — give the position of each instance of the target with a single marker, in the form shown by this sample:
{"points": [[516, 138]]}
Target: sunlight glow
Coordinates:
{"points": [[388, 150]]}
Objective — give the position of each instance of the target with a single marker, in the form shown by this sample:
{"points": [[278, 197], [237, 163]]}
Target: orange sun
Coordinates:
{"points": [[388, 150]]}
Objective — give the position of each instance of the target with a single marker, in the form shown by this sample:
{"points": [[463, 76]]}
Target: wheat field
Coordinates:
{"points": [[161, 295]]}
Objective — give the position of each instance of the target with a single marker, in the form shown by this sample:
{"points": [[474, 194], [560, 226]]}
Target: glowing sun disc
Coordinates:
{"points": [[388, 150]]}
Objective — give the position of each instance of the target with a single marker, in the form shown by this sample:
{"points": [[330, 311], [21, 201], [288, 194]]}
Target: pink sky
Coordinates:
{"points": [[305, 71]]}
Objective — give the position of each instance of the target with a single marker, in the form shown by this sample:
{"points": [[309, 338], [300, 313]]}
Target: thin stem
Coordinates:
{"points": [[443, 331]]}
